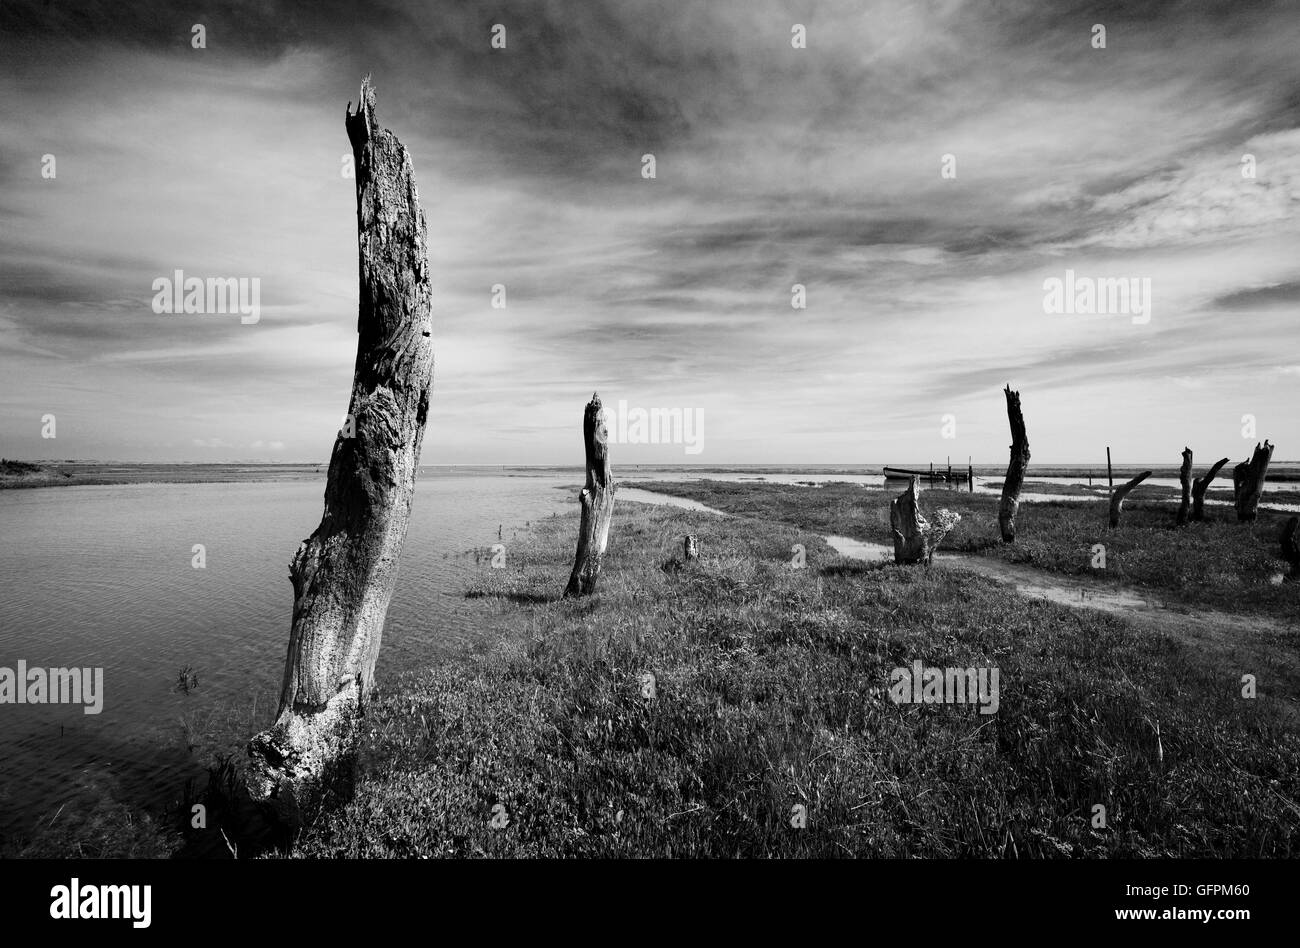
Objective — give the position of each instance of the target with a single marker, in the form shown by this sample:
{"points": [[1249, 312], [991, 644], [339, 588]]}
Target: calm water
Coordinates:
{"points": [[102, 576]]}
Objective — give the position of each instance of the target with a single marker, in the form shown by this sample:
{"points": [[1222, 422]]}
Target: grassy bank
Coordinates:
{"points": [[1219, 563], [19, 474], [769, 692]]}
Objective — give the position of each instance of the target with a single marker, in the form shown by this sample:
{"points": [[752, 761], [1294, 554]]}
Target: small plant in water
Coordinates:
{"points": [[187, 679]]}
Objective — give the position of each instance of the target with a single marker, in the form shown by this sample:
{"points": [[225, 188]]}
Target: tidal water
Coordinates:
{"points": [[103, 577]]}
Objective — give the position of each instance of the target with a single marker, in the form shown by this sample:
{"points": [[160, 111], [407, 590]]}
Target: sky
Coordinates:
{"points": [[822, 166]]}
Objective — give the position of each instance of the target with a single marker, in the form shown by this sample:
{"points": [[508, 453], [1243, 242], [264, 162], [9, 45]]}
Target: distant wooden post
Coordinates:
{"points": [[1291, 545], [1110, 477], [1248, 481], [1185, 479], [1015, 470], [908, 526], [597, 501], [1117, 498], [344, 574], [1199, 486], [970, 477]]}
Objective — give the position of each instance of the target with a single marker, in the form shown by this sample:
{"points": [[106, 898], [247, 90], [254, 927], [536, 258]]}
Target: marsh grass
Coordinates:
{"points": [[770, 692], [1218, 563]]}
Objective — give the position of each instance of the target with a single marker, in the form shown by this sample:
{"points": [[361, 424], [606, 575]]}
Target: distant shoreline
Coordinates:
{"points": [[37, 474]]}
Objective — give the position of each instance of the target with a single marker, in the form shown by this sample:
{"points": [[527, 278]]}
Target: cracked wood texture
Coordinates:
{"points": [[1248, 481], [908, 526], [1015, 470], [343, 575], [1200, 486], [1185, 479], [597, 501], [1117, 498]]}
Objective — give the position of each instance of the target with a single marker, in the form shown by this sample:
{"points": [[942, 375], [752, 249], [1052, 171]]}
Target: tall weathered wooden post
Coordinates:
{"points": [[1248, 481], [1185, 479], [1200, 486], [1015, 470], [597, 500], [343, 575]]}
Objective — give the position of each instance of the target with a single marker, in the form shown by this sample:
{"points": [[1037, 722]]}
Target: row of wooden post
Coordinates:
{"points": [[1247, 486], [1247, 479]]}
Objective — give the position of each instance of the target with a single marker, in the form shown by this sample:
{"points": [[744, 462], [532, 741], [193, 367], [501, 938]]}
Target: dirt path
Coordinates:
{"points": [[1248, 640]]}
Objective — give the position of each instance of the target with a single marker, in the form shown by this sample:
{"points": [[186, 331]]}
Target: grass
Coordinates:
{"points": [[769, 691], [1218, 563]]}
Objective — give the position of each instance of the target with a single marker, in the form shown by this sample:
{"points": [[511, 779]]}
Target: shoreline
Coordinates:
{"points": [[24, 475]]}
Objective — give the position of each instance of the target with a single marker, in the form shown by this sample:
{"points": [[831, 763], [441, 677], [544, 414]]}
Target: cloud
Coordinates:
{"points": [[775, 166]]}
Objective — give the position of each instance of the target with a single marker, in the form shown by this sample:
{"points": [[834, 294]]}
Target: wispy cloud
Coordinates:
{"points": [[775, 167]]}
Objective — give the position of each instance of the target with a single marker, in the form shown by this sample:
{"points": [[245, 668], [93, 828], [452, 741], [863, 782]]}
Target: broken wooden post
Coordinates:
{"points": [[1248, 481], [908, 526], [1015, 471], [1185, 479], [691, 548], [343, 574], [597, 500], [1200, 485], [1117, 498], [1290, 541]]}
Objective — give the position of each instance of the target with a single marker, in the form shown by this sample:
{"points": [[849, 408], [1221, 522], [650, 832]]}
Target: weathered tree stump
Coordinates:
{"points": [[1117, 498], [915, 538], [1015, 470], [944, 521], [691, 548], [908, 526], [1199, 487], [1248, 481], [1290, 541], [343, 574], [1185, 478], [597, 500]]}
